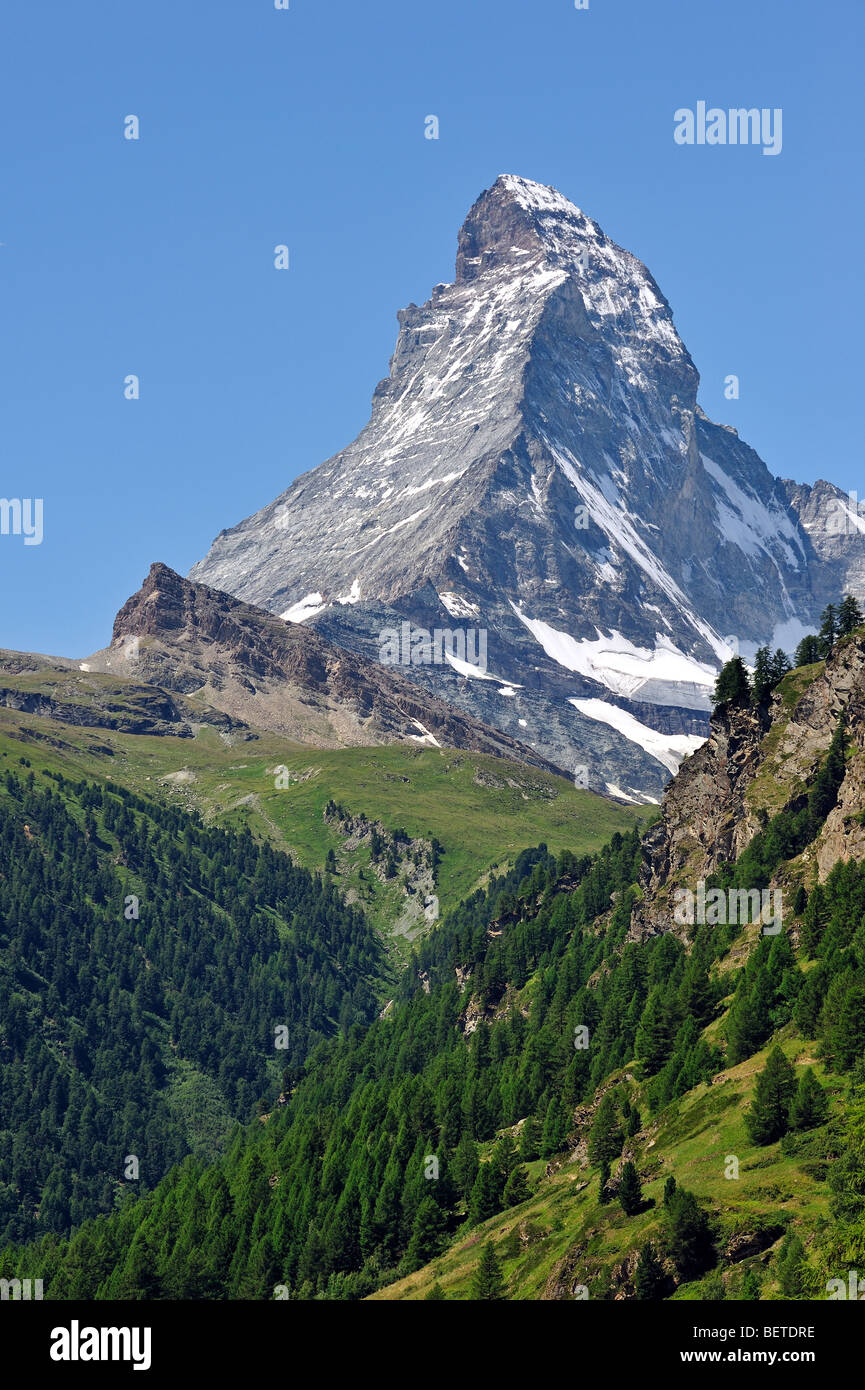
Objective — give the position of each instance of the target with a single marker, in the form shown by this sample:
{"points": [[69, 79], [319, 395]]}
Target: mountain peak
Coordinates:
{"points": [[509, 222], [536, 468], [534, 196]]}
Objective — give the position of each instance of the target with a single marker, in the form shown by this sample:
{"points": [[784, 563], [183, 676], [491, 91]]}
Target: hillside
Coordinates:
{"points": [[571, 1090], [145, 961], [480, 809]]}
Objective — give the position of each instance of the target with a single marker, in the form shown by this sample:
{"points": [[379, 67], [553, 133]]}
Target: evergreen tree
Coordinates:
{"points": [[751, 1286], [603, 1182], [488, 1283], [504, 1160], [427, 1234], [630, 1191], [605, 1136], [810, 1105], [732, 683], [778, 666], [828, 629], [809, 650], [790, 1267], [436, 1293], [687, 1235], [848, 1035], [530, 1140], [761, 681], [557, 1123], [815, 919], [655, 1031], [768, 1116], [516, 1188], [669, 1189], [823, 792], [464, 1166], [649, 1278], [849, 616], [485, 1196]]}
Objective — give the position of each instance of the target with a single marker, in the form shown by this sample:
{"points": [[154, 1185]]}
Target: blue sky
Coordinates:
{"points": [[306, 127]]}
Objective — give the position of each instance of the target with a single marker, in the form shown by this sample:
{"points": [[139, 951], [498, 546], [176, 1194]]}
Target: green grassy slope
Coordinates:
{"points": [[481, 809], [564, 1236]]}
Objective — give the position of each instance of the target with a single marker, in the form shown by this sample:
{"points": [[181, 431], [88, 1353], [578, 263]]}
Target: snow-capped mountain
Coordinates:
{"points": [[536, 471]]}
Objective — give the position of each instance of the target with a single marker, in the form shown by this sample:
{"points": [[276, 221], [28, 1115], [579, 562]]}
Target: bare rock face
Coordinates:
{"points": [[704, 819], [536, 466], [757, 762], [228, 655], [835, 524]]}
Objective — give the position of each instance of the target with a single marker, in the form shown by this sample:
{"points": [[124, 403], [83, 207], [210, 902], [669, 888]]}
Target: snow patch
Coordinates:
{"points": [[304, 608], [353, 595], [424, 736], [615, 661], [667, 749], [623, 796], [459, 607]]}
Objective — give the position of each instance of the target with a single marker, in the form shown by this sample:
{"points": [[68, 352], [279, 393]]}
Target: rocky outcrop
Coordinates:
{"points": [[140, 711], [755, 763], [228, 655]]}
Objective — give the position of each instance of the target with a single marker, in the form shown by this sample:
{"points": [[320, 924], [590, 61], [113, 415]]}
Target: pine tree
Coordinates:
{"points": [[823, 792], [557, 1123], [630, 1191], [649, 1277], [504, 1160], [732, 683], [435, 1293], [605, 1138], [652, 1045], [768, 1116], [427, 1234], [810, 1105], [779, 665], [790, 1266], [687, 1235], [815, 920], [464, 1165], [530, 1140], [516, 1188], [809, 650], [828, 629], [849, 616], [488, 1283], [751, 1286], [603, 1182], [761, 681], [485, 1199], [848, 1035], [669, 1189]]}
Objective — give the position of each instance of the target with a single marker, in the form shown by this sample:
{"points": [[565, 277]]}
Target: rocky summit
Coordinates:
{"points": [[538, 483], [230, 659]]}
